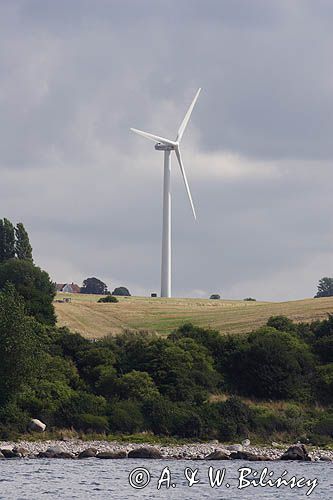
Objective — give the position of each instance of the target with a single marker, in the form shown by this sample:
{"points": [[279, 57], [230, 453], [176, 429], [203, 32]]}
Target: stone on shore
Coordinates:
{"points": [[36, 425], [7, 453], [145, 452], [296, 452], [217, 455], [111, 455], [234, 447], [23, 452], [88, 453], [246, 455], [55, 452], [1, 456]]}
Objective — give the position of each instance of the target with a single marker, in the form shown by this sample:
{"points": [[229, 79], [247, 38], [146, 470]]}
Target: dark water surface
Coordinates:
{"points": [[109, 479]]}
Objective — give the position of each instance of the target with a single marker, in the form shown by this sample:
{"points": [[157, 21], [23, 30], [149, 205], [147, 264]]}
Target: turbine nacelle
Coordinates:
{"points": [[159, 146]]}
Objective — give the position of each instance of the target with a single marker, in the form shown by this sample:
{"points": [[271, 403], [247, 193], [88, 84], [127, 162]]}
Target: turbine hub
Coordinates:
{"points": [[159, 146]]}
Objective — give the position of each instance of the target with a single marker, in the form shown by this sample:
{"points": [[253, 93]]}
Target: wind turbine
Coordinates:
{"points": [[168, 146]]}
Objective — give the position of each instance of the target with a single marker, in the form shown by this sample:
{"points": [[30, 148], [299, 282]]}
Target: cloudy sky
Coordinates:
{"points": [[75, 75]]}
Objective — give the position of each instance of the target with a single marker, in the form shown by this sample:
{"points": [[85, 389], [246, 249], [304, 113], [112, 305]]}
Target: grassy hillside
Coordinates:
{"points": [[95, 320]]}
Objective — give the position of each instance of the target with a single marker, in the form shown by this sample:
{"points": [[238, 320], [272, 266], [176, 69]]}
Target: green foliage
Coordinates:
{"points": [[250, 299], [7, 240], [274, 365], [92, 363], [325, 287], [108, 298], [12, 418], [137, 385], [126, 416], [23, 248], [34, 285], [122, 291], [323, 347], [80, 403], [281, 323], [94, 286], [20, 344], [324, 383], [91, 423], [235, 418]]}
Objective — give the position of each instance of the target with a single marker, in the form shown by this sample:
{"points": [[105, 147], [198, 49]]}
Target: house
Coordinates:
{"points": [[68, 287]]}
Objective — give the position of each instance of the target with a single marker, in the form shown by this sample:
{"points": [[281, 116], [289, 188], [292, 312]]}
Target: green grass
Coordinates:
{"points": [[95, 320]]}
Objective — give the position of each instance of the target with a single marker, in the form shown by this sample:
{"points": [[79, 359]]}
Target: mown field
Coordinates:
{"points": [[95, 320]]}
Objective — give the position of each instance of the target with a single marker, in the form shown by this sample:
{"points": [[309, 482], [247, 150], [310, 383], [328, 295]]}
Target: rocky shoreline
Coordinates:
{"points": [[73, 449]]}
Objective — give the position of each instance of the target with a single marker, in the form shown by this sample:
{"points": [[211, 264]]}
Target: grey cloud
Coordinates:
{"points": [[75, 75]]}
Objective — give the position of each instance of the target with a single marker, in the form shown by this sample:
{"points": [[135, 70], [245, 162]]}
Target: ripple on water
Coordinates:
{"points": [[63, 479]]}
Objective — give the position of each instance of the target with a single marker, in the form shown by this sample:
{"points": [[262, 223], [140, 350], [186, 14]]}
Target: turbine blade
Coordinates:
{"points": [[179, 158], [187, 117], [154, 138]]}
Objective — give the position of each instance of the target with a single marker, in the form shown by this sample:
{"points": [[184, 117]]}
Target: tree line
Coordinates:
{"points": [[194, 383]]}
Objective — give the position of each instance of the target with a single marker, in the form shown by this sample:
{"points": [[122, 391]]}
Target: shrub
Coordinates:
{"points": [[137, 385], [274, 365], [91, 423], [250, 299], [126, 416], [281, 323], [79, 403], [215, 296], [235, 419], [108, 298]]}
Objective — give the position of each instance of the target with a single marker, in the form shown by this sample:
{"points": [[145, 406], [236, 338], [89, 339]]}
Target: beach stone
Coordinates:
{"points": [[251, 457], [234, 447], [246, 442], [10, 453], [325, 458], [55, 452], [217, 455], [145, 452], [88, 453], [36, 425], [21, 451], [296, 452], [111, 454], [1, 456]]}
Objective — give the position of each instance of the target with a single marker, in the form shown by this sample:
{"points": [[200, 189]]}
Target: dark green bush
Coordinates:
{"points": [[127, 417], [91, 423], [108, 298]]}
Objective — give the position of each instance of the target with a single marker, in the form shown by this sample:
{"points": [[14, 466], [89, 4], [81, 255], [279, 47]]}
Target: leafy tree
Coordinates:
{"points": [[122, 291], [235, 417], [325, 288], [137, 385], [323, 328], [274, 365], [126, 416], [34, 285], [92, 363], [20, 347], [7, 240], [23, 248], [281, 323], [94, 286]]}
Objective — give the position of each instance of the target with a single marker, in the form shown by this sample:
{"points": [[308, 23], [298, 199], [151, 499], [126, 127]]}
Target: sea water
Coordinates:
{"points": [[34, 479]]}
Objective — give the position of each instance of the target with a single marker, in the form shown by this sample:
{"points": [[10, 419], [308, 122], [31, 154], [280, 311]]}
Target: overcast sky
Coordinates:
{"points": [[75, 75]]}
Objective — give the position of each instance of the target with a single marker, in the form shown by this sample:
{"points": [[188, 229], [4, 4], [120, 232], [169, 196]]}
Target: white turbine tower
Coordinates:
{"points": [[167, 146]]}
